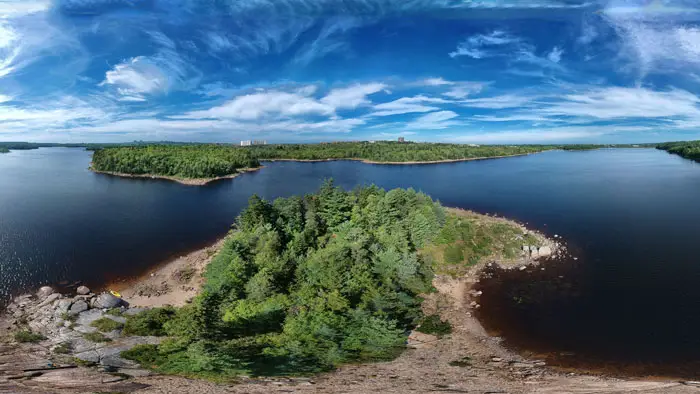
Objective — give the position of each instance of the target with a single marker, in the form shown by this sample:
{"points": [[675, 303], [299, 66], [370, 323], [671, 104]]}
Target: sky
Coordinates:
{"points": [[465, 71]]}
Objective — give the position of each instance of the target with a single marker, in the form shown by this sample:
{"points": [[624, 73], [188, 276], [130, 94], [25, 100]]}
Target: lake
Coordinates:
{"points": [[630, 216]]}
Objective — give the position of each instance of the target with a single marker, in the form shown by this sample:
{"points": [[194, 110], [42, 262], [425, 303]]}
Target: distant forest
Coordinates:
{"points": [[182, 161], [213, 160], [687, 149]]}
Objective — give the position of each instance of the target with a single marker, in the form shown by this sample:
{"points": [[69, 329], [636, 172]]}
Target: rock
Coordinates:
{"points": [[83, 290], [522, 268], [89, 356], [534, 252], [44, 292], [545, 251], [417, 340], [48, 300], [496, 359], [526, 248], [63, 306], [134, 372], [107, 300], [78, 307]]}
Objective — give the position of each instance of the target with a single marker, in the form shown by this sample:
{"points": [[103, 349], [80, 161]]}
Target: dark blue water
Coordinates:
{"points": [[631, 216]]}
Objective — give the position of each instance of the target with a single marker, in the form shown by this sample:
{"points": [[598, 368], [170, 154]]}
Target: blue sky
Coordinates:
{"points": [[471, 71]]}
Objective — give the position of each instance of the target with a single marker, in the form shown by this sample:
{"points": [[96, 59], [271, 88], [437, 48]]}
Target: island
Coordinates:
{"points": [[301, 285], [4, 150]]}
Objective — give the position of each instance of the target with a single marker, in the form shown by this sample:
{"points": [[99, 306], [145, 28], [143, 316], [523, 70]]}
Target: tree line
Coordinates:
{"points": [[304, 284], [687, 149], [183, 161]]}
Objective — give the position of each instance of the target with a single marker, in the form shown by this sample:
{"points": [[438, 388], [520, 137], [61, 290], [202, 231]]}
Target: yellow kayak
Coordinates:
{"points": [[115, 293]]}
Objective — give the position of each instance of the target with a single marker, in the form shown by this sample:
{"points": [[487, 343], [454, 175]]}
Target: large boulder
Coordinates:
{"points": [[83, 290], [107, 300], [78, 307], [545, 251], [44, 292]]}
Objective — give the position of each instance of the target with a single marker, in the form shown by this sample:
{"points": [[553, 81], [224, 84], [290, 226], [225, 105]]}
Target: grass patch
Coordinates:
{"points": [[115, 312], [149, 322], [106, 324], [82, 363], [26, 336], [433, 325], [63, 348], [96, 337], [68, 317]]}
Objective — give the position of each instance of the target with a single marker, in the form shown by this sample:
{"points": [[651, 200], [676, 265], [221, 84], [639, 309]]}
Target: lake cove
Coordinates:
{"points": [[633, 280]]}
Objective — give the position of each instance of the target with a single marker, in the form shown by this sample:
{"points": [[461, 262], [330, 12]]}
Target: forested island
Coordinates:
{"points": [[178, 162], [687, 149], [4, 150], [305, 284]]}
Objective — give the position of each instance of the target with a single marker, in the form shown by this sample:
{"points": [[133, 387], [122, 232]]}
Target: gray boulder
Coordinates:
{"points": [[107, 300], [545, 251], [44, 292], [83, 290], [77, 307]]}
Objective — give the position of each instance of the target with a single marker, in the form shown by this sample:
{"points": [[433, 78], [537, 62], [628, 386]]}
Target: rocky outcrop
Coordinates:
{"points": [[65, 320]]}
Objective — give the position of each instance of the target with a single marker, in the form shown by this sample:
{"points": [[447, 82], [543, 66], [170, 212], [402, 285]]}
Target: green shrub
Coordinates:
{"points": [[105, 324], [149, 322], [433, 325], [115, 312], [26, 336], [63, 348], [96, 337]]}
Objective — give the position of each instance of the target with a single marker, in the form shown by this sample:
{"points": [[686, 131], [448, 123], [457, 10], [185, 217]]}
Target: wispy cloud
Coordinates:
{"points": [[485, 45], [434, 121], [407, 105], [352, 96]]}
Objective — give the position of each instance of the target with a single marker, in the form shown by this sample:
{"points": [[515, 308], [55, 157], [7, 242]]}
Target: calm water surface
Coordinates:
{"points": [[631, 217]]}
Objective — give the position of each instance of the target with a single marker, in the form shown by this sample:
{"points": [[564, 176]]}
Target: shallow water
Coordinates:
{"points": [[631, 217]]}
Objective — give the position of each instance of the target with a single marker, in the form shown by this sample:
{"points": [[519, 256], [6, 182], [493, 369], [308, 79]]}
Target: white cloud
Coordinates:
{"points": [[259, 105], [619, 103], [435, 82], [60, 113], [352, 96], [555, 55], [434, 121], [407, 105], [14, 8], [461, 90], [138, 76], [484, 45], [498, 102]]}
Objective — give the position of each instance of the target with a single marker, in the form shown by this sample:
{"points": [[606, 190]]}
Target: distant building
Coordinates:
{"points": [[253, 142], [401, 139]]}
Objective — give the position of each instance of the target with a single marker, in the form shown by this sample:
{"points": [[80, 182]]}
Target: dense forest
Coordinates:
{"points": [[3, 149], [206, 161], [388, 151], [687, 149], [304, 284], [182, 161]]}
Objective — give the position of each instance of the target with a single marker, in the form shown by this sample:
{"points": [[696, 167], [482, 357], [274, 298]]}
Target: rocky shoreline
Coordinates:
{"points": [[183, 181]]}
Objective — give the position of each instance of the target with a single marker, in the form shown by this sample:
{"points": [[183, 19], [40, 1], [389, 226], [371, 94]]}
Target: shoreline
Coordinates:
{"points": [[205, 181], [171, 282], [182, 181]]}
